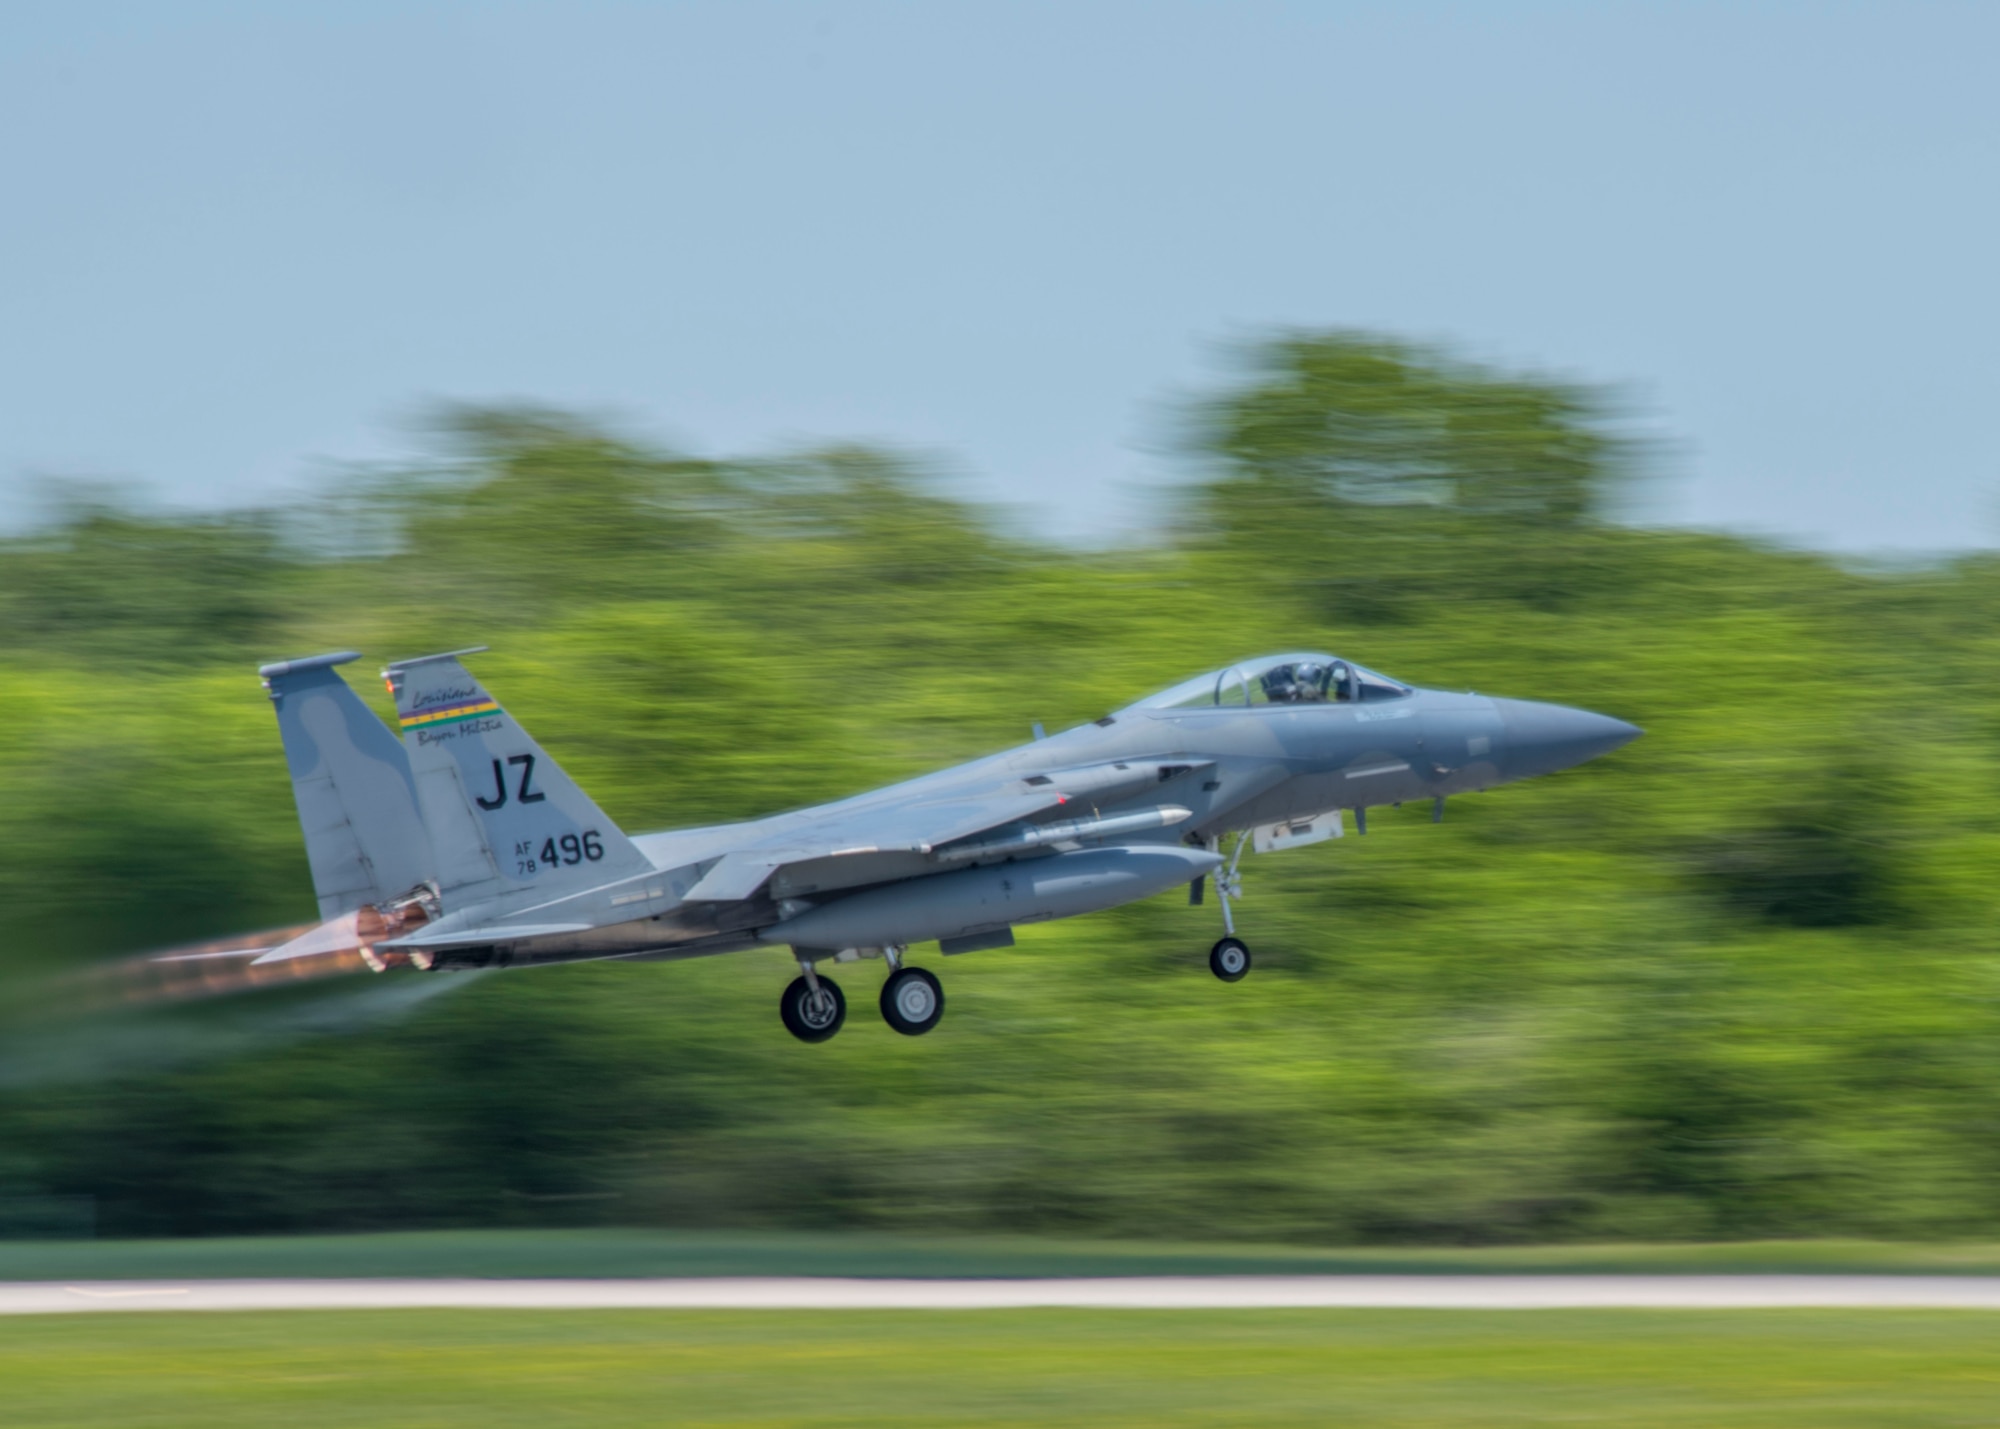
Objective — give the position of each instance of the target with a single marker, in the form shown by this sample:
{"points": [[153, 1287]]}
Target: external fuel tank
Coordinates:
{"points": [[1000, 895]]}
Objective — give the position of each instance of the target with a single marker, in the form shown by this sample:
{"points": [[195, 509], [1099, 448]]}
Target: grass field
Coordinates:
{"points": [[1817, 1369], [643, 1252], [1053, 1367]]}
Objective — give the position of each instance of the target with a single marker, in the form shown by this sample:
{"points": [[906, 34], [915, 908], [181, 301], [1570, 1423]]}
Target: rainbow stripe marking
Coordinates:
{"points": [[449, 714]]}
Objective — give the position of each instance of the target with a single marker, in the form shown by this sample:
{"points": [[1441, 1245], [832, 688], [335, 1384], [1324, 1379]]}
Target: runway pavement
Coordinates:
{"points": [[1210, 1292]]}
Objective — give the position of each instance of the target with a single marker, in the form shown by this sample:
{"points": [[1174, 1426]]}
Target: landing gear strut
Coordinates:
{"points": [[1229, 959], [813, 1007]]}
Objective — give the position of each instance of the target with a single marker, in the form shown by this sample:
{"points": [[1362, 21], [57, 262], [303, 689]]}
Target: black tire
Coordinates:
{"points": [[1229, 960], [807, 1021], [912, 1001]]}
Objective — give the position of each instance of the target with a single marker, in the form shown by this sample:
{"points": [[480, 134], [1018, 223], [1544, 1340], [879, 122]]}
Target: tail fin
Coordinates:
{"points": [[357, 800], [502, 816]]}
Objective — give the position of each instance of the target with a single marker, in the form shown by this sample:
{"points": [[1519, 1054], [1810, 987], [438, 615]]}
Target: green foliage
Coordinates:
{"points": [[1363, 420], [1738, 980], [1388, 475], [1821, 860], [626, 1252], [111, 583]]}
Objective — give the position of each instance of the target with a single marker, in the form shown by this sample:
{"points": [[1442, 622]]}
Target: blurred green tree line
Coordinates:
{"points": [[1738, 980]]}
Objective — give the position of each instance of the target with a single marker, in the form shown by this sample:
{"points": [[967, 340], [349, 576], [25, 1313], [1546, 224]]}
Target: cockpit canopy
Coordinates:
{"points": [[1278, 680]]}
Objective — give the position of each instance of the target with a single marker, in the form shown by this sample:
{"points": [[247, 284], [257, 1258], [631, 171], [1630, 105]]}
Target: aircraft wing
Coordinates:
{"points": [[895, 834], [863, 846]]}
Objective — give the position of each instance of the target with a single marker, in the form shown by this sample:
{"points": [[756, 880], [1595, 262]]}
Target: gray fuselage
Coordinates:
{"points": [[1229, 767]]}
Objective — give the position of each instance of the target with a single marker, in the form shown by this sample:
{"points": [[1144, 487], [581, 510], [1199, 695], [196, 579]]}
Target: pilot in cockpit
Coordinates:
{"points": [[1302, 684], [1308, 682]]}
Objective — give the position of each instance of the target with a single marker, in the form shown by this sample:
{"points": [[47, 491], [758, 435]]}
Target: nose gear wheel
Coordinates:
{"points": [[1229, 959]]}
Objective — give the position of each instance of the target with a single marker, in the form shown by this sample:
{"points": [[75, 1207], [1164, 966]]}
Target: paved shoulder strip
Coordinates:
{"points": [[1218, 1292]]}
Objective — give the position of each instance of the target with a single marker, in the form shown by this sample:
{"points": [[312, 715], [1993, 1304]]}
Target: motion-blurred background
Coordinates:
{"points": [[1738, 980]]}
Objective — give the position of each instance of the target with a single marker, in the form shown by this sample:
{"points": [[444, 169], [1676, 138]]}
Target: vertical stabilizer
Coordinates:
{"points": [[502, 815], [365, 839]]}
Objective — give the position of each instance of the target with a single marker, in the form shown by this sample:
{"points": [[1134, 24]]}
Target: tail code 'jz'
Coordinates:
{"points": [[502, 815], [522, 795]]}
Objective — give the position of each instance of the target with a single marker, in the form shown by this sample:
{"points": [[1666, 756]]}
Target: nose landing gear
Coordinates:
{"points": [[1229, 959]]}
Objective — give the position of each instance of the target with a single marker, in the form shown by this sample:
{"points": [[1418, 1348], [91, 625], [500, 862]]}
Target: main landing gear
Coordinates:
{"points": [[912, 1001], [1229, 959], [813, 1007]]}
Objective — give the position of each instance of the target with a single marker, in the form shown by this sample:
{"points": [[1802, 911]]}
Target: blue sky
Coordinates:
{"points": [[239, 243]]}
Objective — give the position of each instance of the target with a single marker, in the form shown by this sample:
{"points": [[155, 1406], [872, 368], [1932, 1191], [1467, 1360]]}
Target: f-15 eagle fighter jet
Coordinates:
{"points": [[463, 845]]}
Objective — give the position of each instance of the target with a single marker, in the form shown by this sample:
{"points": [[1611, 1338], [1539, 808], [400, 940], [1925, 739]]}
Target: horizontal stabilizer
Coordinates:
{"points": [[505, 933], [342, 934]]}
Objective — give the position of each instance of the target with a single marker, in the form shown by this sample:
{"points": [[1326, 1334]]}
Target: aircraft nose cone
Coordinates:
{"points": [[1544, 738]]}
